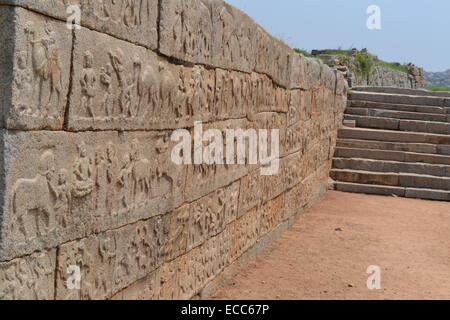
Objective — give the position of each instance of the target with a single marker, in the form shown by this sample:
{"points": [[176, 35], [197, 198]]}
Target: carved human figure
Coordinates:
{"points": [[140, 173], [87, 81], [23, 82], [177, 24], [124, 181], [112, 171], [32, 199], [100, 183], [107, 103], [126, 84], [83, 182], [46, 66], [41, 268], [63, 197]]}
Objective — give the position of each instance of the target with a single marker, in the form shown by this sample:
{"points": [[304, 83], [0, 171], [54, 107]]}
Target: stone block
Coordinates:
{"points": [[29, 278], [120, 86], [35, 64], [227, 40], [77, 184], [111, 261], [210, 215], [203, 178], [273, 58], [134, 21], [243, 234]]}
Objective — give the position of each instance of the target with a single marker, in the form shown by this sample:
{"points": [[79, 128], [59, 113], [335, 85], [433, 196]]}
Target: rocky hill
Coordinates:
{"points": [[437, 79], [365, 69]]}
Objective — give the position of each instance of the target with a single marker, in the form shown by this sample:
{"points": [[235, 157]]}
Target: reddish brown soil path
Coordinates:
{"points": [[325, 255]]}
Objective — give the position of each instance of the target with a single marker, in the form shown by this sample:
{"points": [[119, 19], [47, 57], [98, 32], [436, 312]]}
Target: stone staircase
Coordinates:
{"points": [[395, 142]]}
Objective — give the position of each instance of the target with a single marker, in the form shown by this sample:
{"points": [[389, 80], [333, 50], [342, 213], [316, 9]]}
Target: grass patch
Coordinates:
{"points": [[336, 52], [438, 89], [393, 66], [364, 63], [302, 51]]}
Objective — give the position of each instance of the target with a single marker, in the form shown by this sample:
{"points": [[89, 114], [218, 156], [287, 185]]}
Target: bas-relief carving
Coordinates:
{"points": [[131, 20], [225, 40], [210, 215], [28, 278], [136, 90], [271, 214], [84, 183], [243, 234], [111, 261], [203, 178], [41, 72], [273, 58]]}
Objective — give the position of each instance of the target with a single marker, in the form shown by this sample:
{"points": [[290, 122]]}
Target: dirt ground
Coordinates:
{"points": [[325, 255]]}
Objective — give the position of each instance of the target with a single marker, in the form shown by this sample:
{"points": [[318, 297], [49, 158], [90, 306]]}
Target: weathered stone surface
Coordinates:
{"points": [[244, 234], [111, 261], [202, 178], [119, 86], [211, 214], [37, 63], [134, 21], [271, 215], [273, 58], [226, 40], [29, 278], [83, 183]]}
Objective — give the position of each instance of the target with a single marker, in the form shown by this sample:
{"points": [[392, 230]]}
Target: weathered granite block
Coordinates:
{"points": [[35, 68], [210, 215], [29, 278], [133, 21], [76, 184], [270, 215], [273, 58], [111, 261], [120, 86], [203, 178], [243, 234], [225, 40]]}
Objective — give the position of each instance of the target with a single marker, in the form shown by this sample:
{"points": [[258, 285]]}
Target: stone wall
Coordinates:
{"points": [[87, 116]]}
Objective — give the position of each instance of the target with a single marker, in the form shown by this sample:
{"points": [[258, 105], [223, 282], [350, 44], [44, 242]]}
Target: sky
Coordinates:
{"points": [[416, 31]]}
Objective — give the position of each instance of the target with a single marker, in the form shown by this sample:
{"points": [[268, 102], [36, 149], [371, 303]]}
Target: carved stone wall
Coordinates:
{"points": [[86, 119]]}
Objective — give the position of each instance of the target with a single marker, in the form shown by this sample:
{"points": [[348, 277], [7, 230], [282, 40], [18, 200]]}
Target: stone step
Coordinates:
{"points": [[400, 98], [369, 189], [393, 146], [401, 125], [406, 180], [411, 92], [391, 166], [395, 114], [388, 155], [427, 194], [399, 107], [393, 136]]}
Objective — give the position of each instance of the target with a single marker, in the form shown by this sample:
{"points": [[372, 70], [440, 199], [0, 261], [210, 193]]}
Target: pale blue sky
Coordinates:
{"points": [[415, 31]]}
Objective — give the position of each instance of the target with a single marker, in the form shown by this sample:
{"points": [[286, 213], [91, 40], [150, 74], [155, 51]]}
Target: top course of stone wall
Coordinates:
{"points": [[133, 65]]}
